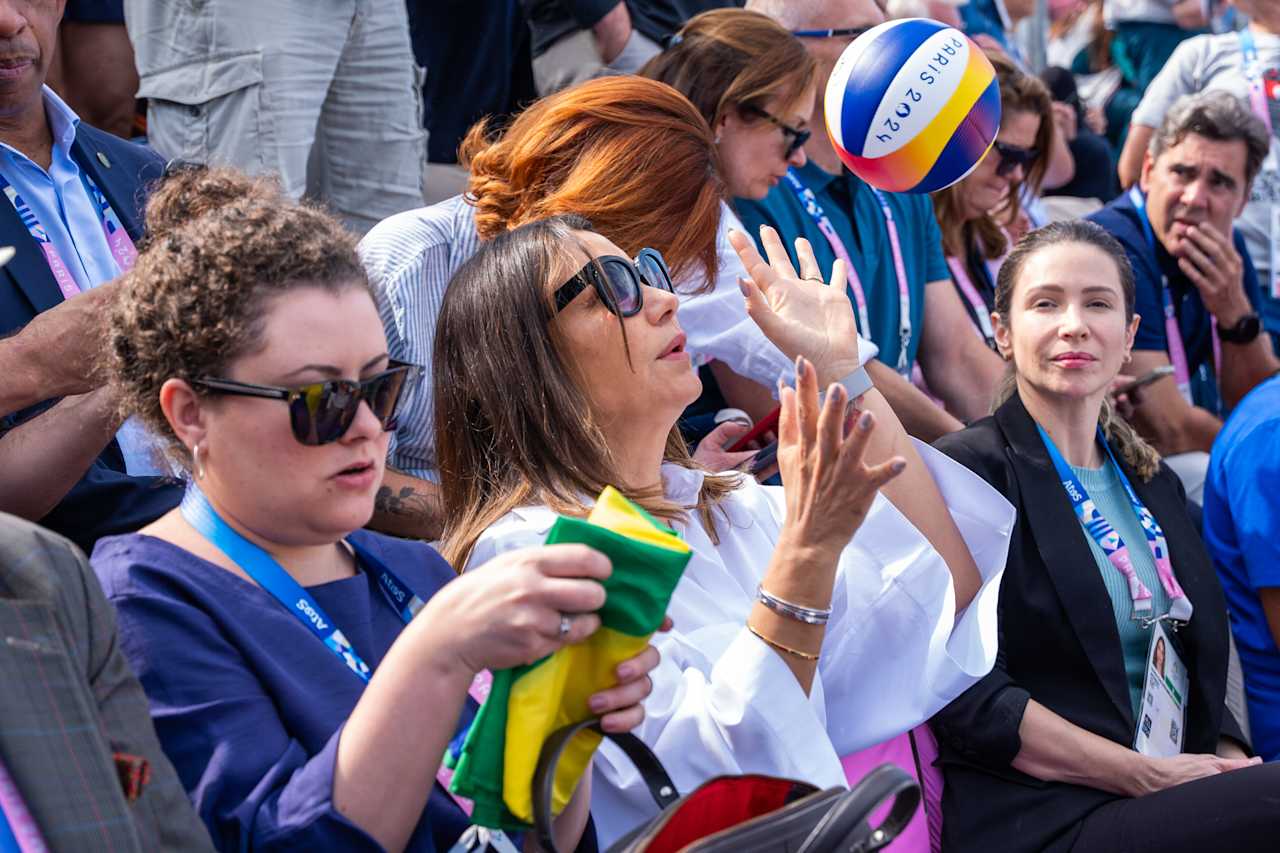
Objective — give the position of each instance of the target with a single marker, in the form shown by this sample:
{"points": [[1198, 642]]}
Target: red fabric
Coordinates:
{"points": [[720, 804]]}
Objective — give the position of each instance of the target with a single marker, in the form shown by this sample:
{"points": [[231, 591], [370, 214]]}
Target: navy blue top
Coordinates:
{"points": [[247, 703], [1241, 520], [1121, 219]]}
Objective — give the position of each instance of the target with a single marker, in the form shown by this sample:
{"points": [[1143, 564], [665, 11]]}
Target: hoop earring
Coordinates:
{"points": [[195, 457]]}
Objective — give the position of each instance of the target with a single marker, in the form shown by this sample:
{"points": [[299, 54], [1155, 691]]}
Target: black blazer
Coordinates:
{"points": [[1059, 645], [106, 500]]}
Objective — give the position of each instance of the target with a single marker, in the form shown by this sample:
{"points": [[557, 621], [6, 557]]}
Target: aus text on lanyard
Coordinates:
{"points": [[122, 249], [814, 208], [1172, 332], [1113, 545]]}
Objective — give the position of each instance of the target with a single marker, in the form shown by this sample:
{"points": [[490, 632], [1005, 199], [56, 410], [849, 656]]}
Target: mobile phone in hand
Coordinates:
{"points": [[767, 423], [764, 459], [1146, 379]]}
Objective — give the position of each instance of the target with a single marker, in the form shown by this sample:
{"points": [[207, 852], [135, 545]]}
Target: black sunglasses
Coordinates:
{"points": [[618, 282], [322, 412], [838, 33], [796, 138], [1013, 156]]}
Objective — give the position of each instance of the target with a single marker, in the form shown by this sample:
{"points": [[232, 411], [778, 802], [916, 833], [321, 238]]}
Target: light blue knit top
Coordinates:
{"points": [[1104, 486]]}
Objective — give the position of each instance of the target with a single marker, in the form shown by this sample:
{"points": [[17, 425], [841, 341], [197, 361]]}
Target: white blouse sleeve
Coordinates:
{"points": [[895, 652], [718, 327]]}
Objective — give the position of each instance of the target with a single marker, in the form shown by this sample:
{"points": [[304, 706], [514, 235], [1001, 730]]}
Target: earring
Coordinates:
{"points": [[195, 457]]}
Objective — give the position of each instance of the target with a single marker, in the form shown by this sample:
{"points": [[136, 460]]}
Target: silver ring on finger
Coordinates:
{"points": [[816, 278], [566, 624]]}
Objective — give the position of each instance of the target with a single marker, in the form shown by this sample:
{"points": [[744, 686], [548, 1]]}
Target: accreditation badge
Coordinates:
{"points": [[1163, 714]]}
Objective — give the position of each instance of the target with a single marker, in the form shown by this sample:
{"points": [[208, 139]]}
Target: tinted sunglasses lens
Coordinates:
{"points": [[382, 393], [1012, 157], [322, 412], [798, 141], [653, 272], [624, 286]]}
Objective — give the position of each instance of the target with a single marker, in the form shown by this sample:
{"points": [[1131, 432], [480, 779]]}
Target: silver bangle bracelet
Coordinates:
{"points": [[808, 615]]}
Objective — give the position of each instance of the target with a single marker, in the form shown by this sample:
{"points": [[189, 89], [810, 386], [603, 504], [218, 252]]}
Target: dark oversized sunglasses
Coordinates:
{"points": [[1013, 156], [838, 33], [618, 282], [322, 412], [796, 138]]}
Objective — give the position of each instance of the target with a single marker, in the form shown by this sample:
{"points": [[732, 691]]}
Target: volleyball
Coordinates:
{"points": [[912, 106]]}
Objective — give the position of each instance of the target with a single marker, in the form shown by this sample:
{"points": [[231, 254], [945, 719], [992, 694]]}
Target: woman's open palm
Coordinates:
{"points": [[800, 314]]}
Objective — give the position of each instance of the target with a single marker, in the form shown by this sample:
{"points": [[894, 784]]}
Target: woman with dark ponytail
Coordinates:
{"points": [[1074, 738]]}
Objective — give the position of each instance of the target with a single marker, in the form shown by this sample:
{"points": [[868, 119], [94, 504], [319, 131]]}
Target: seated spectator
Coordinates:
{"points": [[249, 339], [1095, 174], [1197, 290], [746, 684], [575, 40], [943, 11], [845, 219], [327, 100], [1105, 562], [1246, 64], [585, 150], [80, 766], [991, 22], [1241, 523], [978, 213], [72, 212]]}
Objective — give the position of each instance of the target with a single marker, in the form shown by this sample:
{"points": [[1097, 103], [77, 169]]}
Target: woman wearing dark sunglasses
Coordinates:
{"points": [[796, 642], [977, 214], [305, 676]]}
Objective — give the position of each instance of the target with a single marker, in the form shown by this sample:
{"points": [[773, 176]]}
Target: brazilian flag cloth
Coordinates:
{"points": [[494, 765]]}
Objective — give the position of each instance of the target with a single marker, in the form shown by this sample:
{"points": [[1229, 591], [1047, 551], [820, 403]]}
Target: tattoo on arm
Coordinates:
{"points": [[408, 501]]}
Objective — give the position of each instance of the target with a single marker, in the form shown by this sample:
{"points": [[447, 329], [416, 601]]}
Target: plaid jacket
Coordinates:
{"points": [[68, 701]]}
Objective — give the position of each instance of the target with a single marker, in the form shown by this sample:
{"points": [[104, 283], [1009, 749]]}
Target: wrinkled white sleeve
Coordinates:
{"points": [[718, 327], [895, 653]]}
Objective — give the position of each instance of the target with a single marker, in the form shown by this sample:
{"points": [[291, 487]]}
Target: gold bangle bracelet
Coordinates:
{"points": [[780, 647]]}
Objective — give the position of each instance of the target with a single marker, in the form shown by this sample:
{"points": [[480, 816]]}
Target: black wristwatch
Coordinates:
{"points": [[1243, 332]]}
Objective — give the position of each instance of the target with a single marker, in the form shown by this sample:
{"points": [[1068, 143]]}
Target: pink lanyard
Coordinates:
{"points": [[14, 810], [819, 216], [1172, 333], [980, 309], [122, 249]]}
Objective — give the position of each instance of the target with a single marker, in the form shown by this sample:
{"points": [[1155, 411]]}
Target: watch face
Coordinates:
{"points": [[1244, 331]]}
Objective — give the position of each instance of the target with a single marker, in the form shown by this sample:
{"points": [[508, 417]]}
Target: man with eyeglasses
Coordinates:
{"points": [[1197, 291], [892, 242]]}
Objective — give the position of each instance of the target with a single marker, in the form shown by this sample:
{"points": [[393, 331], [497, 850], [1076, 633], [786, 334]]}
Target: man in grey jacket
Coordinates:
{"points": [[80, 765]]}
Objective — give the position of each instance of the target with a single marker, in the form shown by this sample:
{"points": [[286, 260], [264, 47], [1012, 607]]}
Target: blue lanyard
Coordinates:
{"points": [[272, 577], [1113, 545]]}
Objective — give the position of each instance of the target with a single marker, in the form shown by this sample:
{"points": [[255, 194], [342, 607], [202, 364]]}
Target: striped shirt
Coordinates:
{"points": [[410, 258]]}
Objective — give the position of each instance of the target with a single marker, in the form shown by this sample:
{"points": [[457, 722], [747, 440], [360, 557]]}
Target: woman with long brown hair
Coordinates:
{"points": [[631, 154], [1080, 734], [977, 213], [809, 623]]}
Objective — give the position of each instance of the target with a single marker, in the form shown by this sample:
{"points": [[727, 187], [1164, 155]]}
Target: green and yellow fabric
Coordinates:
{"points": [[494, 765]]}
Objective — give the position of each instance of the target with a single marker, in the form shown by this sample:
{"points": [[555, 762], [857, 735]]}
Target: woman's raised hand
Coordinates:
{"points": [[821, 448], [800, 314]]}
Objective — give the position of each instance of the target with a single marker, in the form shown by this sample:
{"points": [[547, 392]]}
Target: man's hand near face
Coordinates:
{"points": [[1211, 261]]}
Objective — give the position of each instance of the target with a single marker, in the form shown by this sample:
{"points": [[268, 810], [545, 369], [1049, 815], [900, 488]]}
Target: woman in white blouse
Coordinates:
{"points": [[578, 384]]}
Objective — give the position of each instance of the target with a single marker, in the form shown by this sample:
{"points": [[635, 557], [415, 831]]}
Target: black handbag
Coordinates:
{"points": [[730, 814]]}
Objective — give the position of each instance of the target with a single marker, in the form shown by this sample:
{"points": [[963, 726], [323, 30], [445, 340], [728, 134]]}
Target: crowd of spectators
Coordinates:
{"points": [[309, 309]]}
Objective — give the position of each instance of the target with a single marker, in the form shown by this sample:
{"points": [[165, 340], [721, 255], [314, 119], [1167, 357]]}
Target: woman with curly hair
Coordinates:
{"points": [[302, 702]]}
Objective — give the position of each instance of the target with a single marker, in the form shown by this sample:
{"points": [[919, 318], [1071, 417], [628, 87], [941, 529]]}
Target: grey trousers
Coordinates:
{"points": [[323, 93]]}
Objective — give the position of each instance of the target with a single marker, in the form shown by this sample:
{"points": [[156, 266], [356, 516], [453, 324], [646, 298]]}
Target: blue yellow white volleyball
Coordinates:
{"points": [[912, 106]]}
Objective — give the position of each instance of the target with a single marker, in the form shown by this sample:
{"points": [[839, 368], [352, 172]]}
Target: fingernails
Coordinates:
{"points": [[801, 366], [837, 393], [597, 703], [742, 286], [864, 422], [898, 466], [625, 671]]}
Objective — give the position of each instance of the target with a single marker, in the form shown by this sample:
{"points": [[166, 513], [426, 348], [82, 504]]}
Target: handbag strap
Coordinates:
{"points": [[855, 807], [660, 786]]}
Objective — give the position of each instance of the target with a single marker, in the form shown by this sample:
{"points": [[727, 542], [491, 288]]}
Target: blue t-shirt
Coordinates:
{"points": [[247, 702], [1121, 219], [856, 216], [1242, 532]]}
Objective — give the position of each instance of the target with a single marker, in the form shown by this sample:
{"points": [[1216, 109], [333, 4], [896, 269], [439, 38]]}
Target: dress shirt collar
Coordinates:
{"points": [[63, 123]]}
